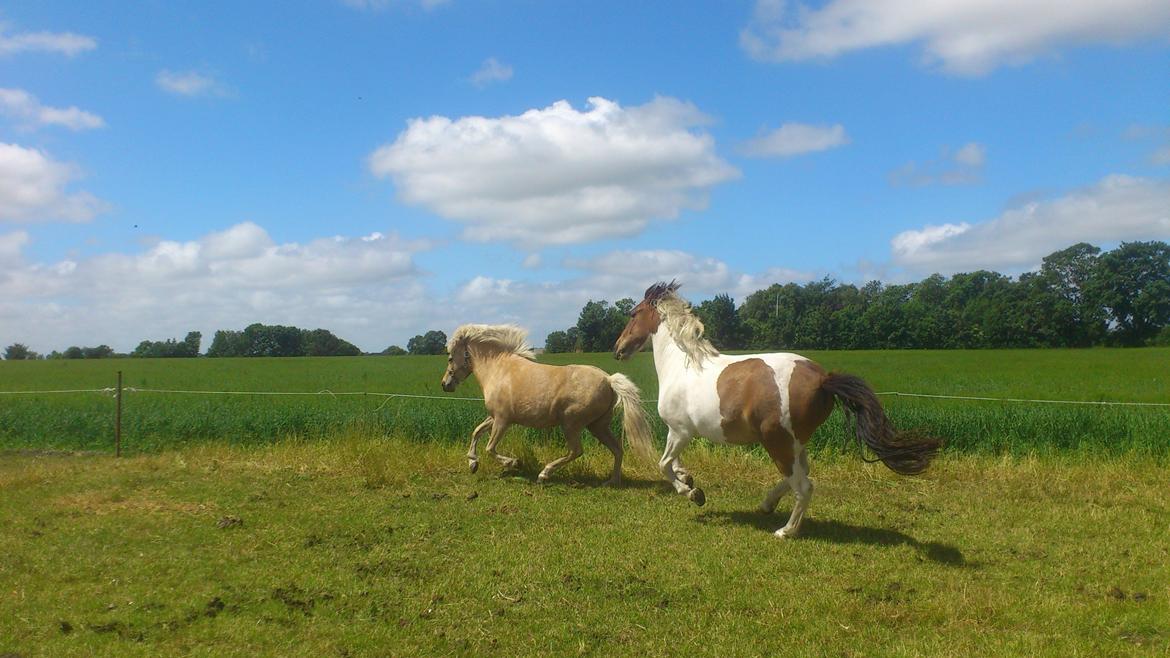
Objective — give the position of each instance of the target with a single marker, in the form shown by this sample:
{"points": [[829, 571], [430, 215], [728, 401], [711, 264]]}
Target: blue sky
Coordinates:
{"points": [[384, 167]]}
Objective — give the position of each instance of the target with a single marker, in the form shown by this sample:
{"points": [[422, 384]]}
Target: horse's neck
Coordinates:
{"points": [[487, 366], [669, 359]]}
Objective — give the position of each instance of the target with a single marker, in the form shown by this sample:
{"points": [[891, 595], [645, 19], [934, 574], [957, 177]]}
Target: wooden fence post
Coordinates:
{"points": [[118, 418]]}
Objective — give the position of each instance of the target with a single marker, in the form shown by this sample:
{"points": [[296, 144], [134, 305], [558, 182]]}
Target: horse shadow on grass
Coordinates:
{"points": [[839, 532]]}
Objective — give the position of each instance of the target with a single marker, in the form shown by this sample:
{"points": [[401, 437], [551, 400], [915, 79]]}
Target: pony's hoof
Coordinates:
{"points": [[697, 497], [541, 479], [612, 482], [687, 479], [473, 465], [785, 533]]}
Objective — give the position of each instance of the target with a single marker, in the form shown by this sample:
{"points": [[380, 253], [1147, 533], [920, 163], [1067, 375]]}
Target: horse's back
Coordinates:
{"points": [[543, 395]]}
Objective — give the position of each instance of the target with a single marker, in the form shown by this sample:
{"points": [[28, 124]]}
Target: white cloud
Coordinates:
{"points": [[556, 175], [11, 245], [364, 289], [33, 188], [23, 106], [189, 83], [964, 37], [63, 43], [795, 139], [491, 71], [961, 167], [1115, 209]]}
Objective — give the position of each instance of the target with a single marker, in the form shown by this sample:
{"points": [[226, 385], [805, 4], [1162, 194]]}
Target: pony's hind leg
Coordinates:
{"points": [[573, 439], [675, 443], [600, 429], [772, 498], [472, 458], [498, 429], [802, 487], [682, 473]]}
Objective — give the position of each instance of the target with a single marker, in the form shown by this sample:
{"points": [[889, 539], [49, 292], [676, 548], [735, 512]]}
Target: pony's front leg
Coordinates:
{"points": [[573, 439], [472, 458], [498, 429], [675, 443]]}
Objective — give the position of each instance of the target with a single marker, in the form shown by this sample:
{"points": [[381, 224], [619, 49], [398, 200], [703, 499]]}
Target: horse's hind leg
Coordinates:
{"points": [[683, 474], [472, 458], [600, 429], [498, 429], [573, 439], [802, 487]]}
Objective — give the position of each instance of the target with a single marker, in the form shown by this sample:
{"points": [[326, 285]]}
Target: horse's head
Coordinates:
{"points": [[644, 320], [458, 365]]}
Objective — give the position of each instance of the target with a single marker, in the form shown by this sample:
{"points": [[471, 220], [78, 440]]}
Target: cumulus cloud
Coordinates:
{"points": [[953, 167], [557, 175], [795, 139], [491, 71], [365, 289], [62, 43], [189, 83], [969, 37], [1115, 209], [25, 108], [33, 188]]}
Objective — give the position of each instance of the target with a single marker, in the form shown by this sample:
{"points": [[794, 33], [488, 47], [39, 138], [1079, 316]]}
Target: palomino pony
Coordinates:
{"points": [[776, 399], [519, 391]]}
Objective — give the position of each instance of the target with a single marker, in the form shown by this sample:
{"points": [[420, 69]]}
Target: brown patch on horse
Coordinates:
{"points": [[808, 404], [750, 410]]}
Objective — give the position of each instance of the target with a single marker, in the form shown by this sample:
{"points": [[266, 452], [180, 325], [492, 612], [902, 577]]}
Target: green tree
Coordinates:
{"points": [[559, 342], [19, 352], [394, 350], [721, 322], [1132, 282], [432, 342], [321, 342]]}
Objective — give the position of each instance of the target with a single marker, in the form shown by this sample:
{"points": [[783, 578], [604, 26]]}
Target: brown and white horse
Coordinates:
{"points": [[776, 399], [519, 391]]}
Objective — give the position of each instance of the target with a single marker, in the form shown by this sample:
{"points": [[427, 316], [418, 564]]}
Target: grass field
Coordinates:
{"points": [[321, 525], [157, 421], [354, 547]]}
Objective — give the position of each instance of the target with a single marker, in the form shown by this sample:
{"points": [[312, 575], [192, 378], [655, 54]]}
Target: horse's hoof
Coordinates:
{"points": [[785, 533], [473, 465], [541, 479], [697, 497], [687, 479], [612, 482]]}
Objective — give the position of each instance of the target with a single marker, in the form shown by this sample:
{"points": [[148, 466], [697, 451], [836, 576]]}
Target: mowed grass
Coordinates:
{"points": [[355, 546], [158, 421]]}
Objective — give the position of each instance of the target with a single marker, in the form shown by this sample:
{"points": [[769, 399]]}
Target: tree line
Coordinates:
{"points": [[1079, 297], [254, 340]]}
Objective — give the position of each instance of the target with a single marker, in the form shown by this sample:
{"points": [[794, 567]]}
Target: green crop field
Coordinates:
{"points": [[348, 525], [155, 421]]}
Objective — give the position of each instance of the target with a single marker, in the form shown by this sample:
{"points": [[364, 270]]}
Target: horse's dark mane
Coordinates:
{"points": [[661, 289]]}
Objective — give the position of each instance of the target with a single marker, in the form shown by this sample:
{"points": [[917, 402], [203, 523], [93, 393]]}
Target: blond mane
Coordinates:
{"points": [[507, 338], [685, 328]]}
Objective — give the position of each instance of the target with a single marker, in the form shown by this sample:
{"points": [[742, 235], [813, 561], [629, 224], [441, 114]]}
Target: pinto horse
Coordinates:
{"points": [[776, 399], [519, 391]]}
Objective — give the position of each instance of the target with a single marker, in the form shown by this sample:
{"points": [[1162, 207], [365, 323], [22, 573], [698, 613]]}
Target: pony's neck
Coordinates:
{"points": [[485, 364], [668, 356]]}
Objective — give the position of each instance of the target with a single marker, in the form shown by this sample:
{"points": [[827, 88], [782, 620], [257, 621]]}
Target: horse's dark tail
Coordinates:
{"points": [[904, 453]]}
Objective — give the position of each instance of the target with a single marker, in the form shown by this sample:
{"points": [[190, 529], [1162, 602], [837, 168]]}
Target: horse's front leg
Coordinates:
{"points": [[675, 443], [498, 429], [472, 458]]}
